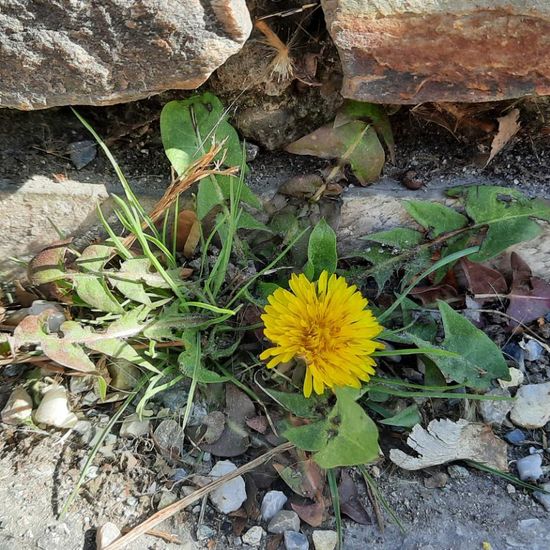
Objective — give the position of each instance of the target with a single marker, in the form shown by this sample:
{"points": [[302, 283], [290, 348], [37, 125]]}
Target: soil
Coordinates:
{"points": [[39, 469]]}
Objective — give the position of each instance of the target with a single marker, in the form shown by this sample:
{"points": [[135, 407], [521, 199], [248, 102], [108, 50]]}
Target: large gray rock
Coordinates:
{"points": [[411, 51], [99, 53]]}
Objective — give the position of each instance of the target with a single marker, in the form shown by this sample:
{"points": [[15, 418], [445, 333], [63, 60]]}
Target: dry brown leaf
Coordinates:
{"points": [[447, 441], [508, 126], [312, 514]]}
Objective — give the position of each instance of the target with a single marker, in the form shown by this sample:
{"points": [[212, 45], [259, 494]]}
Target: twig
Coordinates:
{"points": [[169, 511], [375, 507], [168, 537]]}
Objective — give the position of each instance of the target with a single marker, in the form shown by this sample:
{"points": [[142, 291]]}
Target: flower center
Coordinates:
{"points": [[320, 339]]}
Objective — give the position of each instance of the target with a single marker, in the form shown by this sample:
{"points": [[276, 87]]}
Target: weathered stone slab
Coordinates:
{"points": [[29, 210], [73, 52], [412, 51], [32, 212]]}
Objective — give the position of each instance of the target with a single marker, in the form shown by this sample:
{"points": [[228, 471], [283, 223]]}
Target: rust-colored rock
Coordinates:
{"points": [[412, 51], [99, 53]]}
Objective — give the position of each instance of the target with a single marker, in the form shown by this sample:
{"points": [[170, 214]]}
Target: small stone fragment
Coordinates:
{"points": [[253, 537], [204, 532], [169, 437], [166, 498], [82, 153], [437, 481], [295, 541], [515, 437], [106, 534], [458, 472], [272, 503], [494, 412], [81, 384], [543, 498], [230, 496], [532, 407], [54, 409], [285, 520], [18, 409], [324, 540], [533, 350], [133, 427], [512, 351], [516, 379], [529, 467]]}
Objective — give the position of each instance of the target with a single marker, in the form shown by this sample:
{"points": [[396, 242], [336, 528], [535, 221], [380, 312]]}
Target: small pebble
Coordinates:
{"points": [[533, 350], [18, 409], [494, 412], [82, 153], [133, 427], [179, 474], [295, 541], [529, 467], [543, 498], [510, 489], [106, 534], [204, 532], [512, 351], [253, 537], [516, 379], [437, 481], [458, 472], [532, 406], [230, 496], [166, 498], [285, 520], [131, 501], [272, 503], [515, 437], [325, 540]]}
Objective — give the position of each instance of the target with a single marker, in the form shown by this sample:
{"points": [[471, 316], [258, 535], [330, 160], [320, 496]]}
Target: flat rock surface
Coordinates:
{"points": [[99, 53], [411, 51]]}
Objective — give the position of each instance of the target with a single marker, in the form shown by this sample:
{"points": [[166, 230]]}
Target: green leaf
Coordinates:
{"points": [[134, 271], [479, 360], [189, 126], [322, 255], [94, 257], [296, 403], [508, 214], [398, 237], [310, 437], [209, 196], [247, 221], [356, 439], [368, 112], [186, 362], [407, 418], [435, 216], [93, 291], [355, 143]]}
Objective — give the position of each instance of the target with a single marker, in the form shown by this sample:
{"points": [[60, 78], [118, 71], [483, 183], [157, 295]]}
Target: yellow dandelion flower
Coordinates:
{"points": [[328, 325]]}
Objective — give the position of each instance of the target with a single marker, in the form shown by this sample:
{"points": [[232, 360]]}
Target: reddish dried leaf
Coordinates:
{"points": [[482, 279], [430, 294], [312, 514], [529, 296], [349, 500]]}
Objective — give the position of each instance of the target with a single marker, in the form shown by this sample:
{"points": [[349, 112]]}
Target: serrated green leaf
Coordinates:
{"points": [[247, 221], [407, 418], [94, 257], [507, 213], [398, 237], [309, 437], [479, 359], [94, 291], [186, 362], [322, 255], [132, 287], [435, 216], [295, 403], [356, 439]]}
